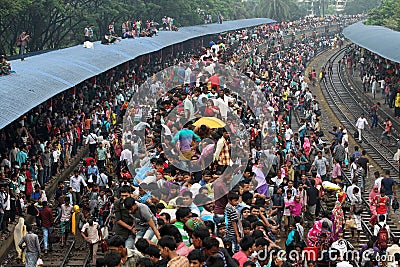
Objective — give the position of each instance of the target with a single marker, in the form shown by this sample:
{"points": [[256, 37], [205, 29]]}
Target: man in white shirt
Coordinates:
{"points": [[75, 183], [126, 154], [4, 202], [288, 136], [209, 68], [102, 179], [188, 71], [342, 246], [391, 253], [91, 140], [360, 125], [350, 189], [321, 165], [188, 107], [378, 180], [92, 234], [381, 224], [223, 107], [56, 156]]}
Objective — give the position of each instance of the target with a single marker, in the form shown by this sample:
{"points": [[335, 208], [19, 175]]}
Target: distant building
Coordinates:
{"points": [[313, 7]]}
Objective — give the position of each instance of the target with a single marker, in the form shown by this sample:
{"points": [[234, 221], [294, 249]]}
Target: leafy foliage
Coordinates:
{"points": [[279, 10], [359, 6], [387, 14], [60, 23]]}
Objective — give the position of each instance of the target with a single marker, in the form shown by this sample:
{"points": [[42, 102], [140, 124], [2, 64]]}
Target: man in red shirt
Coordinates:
{"points": [[388, 131], [382, 204], [46, 216]]}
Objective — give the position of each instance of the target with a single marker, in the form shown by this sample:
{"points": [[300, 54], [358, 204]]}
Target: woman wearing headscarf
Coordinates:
{"points": [[337, 219], [296, 207], [307, 146], [19, 232], [262, 186], [372, 204]]}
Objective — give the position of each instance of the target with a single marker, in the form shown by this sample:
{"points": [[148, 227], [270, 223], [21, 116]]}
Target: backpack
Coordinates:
{"points": [[383, 237], [358, 207]]}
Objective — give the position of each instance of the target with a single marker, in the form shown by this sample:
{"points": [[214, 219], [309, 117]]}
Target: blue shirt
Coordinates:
{"points": [[144, 198], [21, 157], [93, 170], [35, 195]]}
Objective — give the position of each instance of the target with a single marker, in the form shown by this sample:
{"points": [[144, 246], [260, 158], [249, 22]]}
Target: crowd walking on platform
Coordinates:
{"points": [[284, 190]]}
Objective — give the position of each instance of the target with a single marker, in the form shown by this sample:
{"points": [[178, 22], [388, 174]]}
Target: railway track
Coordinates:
{"points": [[347, 107], [57, 256], [367, 101]]}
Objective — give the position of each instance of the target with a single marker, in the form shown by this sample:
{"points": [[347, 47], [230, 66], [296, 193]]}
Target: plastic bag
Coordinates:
{"points": [[39, 262], [350, 224]]}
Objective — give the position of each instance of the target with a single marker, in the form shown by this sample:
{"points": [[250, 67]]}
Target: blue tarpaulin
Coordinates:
{"points": [[379, 40], [41, 77]]}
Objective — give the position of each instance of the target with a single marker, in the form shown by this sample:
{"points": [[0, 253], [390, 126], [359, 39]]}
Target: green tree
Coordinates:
{"points": [[359, 6], [279, 10], [60, 23], [387, 14]]}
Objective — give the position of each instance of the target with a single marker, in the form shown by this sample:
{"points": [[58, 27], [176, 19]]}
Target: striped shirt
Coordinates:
{"points": [[185, 235], [231, 216], [178, 262]]}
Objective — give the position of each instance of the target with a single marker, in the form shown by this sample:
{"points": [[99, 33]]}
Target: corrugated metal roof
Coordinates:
{"points": [[379, 40], [43, 76]]}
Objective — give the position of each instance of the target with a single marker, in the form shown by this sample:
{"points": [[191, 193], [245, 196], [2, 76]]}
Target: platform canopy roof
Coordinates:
{"points": [[41, 77], [377, 39]]}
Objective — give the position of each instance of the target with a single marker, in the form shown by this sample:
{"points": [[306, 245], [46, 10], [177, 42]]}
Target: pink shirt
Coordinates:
{"points": [[183, 250], [337, 170], [241, 257], [296, 209]]}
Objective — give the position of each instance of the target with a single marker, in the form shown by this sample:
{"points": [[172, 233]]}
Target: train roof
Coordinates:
{"points": [[377, 39], [43, 76]]}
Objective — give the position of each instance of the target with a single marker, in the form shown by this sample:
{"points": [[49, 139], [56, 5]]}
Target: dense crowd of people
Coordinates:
{"points": [[132, 29], [379, 77], [246, 189]]}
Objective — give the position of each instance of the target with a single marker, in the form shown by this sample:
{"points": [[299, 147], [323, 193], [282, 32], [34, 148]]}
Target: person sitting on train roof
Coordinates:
{"points": [[5, 67]]}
